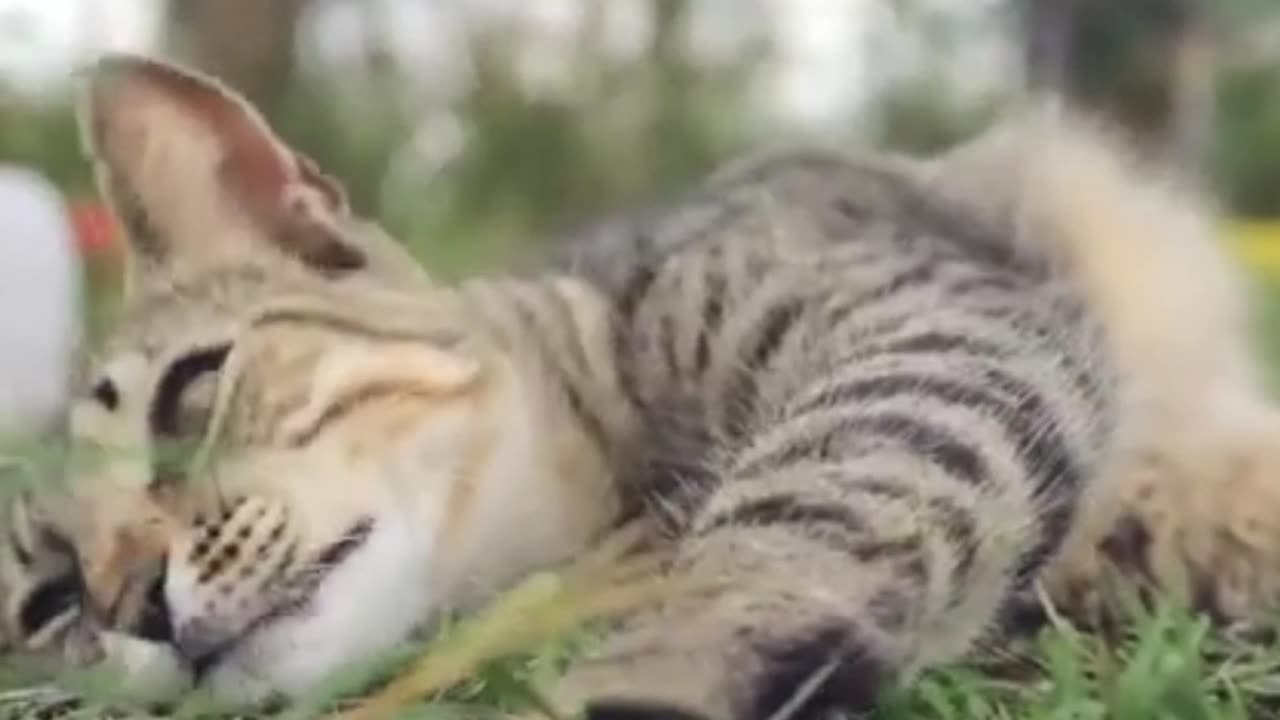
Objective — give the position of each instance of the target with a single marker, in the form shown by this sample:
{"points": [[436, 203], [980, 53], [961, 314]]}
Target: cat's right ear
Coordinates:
{"points": [[196, 175]]}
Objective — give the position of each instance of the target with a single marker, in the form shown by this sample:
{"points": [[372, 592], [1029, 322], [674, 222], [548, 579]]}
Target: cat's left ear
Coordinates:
{"points": [[195, 173]]}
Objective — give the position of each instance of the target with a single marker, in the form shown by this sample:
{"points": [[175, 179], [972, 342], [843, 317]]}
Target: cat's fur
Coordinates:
{"points": [[874, 400]]}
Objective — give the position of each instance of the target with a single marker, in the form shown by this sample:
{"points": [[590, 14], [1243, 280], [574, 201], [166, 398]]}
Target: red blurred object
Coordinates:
{"points": [[95, 227]]}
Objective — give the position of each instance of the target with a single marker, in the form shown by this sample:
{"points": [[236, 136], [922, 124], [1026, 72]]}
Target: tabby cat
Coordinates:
{"points": [[875, 402]]}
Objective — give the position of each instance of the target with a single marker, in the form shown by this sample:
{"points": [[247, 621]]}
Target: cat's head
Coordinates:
{"points": [[278, 449]]}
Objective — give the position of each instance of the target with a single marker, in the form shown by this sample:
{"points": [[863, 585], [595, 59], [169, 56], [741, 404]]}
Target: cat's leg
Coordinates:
{"points": [[1192, 513], [858, 542]]}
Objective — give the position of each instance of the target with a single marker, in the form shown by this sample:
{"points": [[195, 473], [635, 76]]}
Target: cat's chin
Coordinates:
{"points": [[367, 606], [144, 671]]}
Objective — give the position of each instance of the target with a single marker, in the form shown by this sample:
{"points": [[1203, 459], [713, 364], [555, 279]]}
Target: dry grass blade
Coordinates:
{"points": [[601, 585]]}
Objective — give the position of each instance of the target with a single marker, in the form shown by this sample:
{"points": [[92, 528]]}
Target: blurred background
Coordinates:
{"points": [[476, 129]]}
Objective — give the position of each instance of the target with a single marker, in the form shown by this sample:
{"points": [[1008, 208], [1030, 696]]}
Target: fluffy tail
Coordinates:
{"points": [[1144, 246], [1192, 505]]}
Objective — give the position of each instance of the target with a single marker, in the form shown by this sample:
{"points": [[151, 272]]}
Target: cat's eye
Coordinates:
{"points": [[181, 408], [184, 395], [50, 601], [106, 393]]}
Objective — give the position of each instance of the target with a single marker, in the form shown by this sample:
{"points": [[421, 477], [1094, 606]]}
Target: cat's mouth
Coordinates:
{"points": [[204, 653]]}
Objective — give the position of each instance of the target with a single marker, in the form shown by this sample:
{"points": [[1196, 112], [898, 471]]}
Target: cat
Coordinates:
{"points": [[874, 402]]}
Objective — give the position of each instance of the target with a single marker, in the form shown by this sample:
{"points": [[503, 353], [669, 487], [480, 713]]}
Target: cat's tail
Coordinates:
{"points": [[1144, 244], [1201, 477]]}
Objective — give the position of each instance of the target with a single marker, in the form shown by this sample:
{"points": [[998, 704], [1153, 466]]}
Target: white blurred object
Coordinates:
{"points": [[40, 314]]}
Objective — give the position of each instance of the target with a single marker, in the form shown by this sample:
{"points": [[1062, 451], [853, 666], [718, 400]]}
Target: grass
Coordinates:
{"points": [[1166, 665]]}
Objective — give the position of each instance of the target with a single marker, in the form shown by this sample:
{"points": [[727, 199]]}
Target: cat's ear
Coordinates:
{"points": [[195, 173]]}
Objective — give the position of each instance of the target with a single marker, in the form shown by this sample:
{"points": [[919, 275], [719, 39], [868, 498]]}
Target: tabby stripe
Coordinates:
{"points": [[890, 343], [895, 550], [1083, 377], [777, 323], [961, 531], [714, 287], [809, 516], [917, 275], [20, 551], [857, 322], [567, 333], [587, 419], [864, 390], [667, 342], [928, 440], [918, 210], [988, 283], [628, 383], [787, 508], [1028, 421], [739, 398], [883, 386], [635, 290], [564, 379], [882, 488], [1058, 473], [956, 522], [941, 343], [548, 336], [1040, 441]]}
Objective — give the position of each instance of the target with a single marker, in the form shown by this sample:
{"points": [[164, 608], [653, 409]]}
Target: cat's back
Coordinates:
{"points": [[764, 281]]}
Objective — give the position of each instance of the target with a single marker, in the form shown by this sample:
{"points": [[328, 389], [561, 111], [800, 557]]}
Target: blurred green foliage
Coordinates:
{"points": [[1247, 142], [533, 163], [43, 135]]}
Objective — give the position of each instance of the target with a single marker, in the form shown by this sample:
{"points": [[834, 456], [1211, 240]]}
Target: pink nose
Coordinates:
{"points": [[201, 643]]}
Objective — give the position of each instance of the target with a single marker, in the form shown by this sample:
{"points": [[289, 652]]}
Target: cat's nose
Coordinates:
{"points": [[201, 643], [155, 620]]}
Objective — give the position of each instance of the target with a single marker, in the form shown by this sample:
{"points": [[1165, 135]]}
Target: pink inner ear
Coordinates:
{"points": [[256, 167], [258, 171], [333, 193]]}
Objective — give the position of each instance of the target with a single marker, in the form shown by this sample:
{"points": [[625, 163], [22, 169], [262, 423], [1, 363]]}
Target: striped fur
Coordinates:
{"points": [[875, 417], [876, 400]]}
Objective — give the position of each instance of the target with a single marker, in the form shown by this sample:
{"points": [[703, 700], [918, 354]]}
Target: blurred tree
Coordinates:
{"points": [[933, 101], [919, 115], [1147, 64], [1047, 27], [531, 161], [247, 43], [1247, 140]]}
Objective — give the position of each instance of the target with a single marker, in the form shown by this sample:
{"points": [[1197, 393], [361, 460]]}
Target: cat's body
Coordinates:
{"points": [[869, 400]]}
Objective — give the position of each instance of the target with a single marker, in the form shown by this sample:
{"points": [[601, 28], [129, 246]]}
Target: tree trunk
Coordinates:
{"points": [[1048, 29], [1193, 88], [249, 44]]}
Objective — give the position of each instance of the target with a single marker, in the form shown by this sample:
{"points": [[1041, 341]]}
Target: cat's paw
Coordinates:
{"points": [[1201, 525], [702, 667]]}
